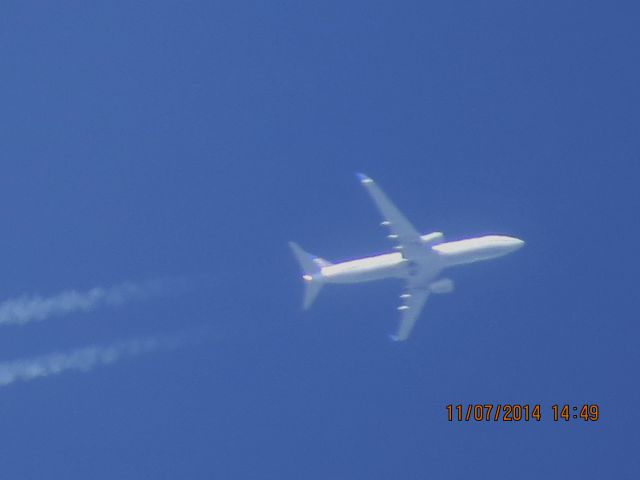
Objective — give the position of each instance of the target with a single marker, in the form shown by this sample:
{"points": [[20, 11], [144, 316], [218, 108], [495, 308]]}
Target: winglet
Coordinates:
{"points": [[398, 338], [363, 178]]}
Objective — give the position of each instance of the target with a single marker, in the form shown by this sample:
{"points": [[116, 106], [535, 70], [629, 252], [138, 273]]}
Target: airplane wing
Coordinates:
{"points": [[414, 300], [406, 236]]}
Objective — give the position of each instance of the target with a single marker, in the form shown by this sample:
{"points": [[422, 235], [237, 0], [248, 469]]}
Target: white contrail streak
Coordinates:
{"points": [[84, 359], [30, 308]]}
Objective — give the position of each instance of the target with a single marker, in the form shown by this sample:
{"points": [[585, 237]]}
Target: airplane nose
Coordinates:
{"points": [[515, 243]]}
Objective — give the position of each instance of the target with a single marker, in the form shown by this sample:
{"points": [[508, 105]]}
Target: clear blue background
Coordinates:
{"points": [[144, 139]]}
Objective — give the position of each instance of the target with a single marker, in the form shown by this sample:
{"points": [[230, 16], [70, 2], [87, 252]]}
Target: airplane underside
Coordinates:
{"points": [[418, 260]]}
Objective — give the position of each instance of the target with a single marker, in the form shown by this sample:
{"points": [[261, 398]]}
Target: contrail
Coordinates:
{"points": [[86, 359], [30, 308]]}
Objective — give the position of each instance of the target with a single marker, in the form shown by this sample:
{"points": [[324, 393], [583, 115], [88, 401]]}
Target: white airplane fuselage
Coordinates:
{"points": [[442, 255], [418, 260]]}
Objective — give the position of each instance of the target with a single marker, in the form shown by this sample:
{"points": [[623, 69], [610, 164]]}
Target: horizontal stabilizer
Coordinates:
{"points": [[311, 273], [310, 264]]}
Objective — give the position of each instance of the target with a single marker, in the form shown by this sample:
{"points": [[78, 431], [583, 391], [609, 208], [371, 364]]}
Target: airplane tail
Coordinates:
{"points": [[311, 273]]}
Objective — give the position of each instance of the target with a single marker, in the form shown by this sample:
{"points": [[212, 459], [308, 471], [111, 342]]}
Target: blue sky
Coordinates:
{"points": [[148, 140]]}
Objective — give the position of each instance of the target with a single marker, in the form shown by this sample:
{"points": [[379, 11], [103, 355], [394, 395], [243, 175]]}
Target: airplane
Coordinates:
{"points": [[418, 260]]}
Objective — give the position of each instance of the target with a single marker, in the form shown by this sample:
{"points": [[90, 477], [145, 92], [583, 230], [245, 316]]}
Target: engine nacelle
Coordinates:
{"points": [[444, 285], [432, 238]]}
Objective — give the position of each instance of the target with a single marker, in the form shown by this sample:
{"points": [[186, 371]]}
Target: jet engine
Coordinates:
{"points": [[432, 238], [444, 285]]}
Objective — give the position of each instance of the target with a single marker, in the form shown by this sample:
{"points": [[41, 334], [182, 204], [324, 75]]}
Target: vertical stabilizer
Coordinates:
{"points": [[311, 274]]}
